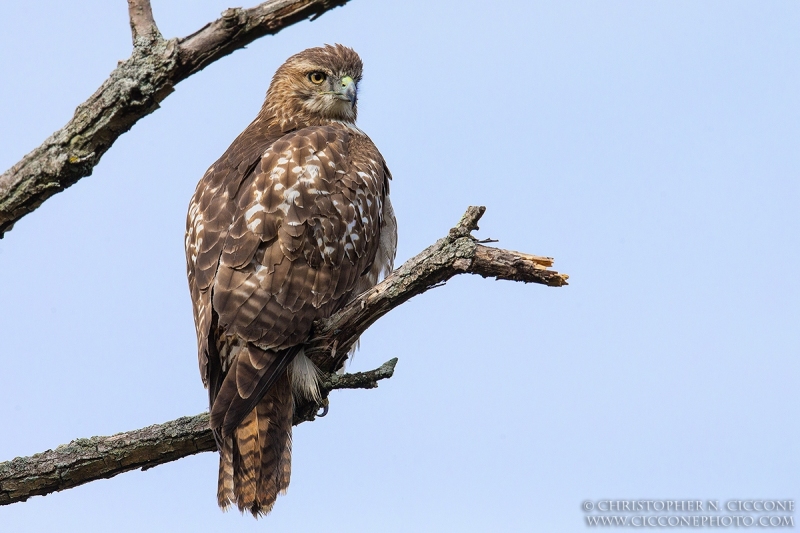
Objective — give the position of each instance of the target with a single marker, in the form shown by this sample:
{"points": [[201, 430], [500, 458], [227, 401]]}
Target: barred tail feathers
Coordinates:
{"points": [[225, 495], [255, 462]]}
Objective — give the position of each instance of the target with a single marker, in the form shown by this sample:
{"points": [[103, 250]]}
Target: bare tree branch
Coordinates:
{"points": [[134, 90], [85, 460], [458, 253]]}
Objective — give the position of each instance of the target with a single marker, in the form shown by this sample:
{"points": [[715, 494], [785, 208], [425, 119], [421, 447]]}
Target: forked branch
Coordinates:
{"points": [[85, 460], [457, 253]]}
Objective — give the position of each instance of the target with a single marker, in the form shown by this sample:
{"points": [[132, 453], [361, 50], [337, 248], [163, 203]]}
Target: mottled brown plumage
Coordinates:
{"points": [[287, 226]]}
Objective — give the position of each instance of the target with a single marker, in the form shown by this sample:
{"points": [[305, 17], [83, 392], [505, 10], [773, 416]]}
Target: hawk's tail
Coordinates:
{"points": [[255, 462]]}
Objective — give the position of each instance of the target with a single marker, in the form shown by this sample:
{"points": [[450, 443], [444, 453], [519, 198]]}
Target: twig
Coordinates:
{"points": [[85, 460], [143, 25], [134, 90], [359, 380]]}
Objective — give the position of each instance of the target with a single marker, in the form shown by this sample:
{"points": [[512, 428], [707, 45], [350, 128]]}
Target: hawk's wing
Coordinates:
{"points": [[273, 243]]}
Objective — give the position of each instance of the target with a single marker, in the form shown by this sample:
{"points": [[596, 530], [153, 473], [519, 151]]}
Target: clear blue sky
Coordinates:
{"points": [[652, 148]]}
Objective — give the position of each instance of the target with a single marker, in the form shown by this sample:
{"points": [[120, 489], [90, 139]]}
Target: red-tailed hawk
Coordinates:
{"points": [[291, 223]]}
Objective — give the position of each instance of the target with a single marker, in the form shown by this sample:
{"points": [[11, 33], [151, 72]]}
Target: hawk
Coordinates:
{"points": [[291, 223]]}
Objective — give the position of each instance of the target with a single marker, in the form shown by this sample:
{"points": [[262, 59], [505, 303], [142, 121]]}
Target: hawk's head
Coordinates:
{"points": [[318, 84]]}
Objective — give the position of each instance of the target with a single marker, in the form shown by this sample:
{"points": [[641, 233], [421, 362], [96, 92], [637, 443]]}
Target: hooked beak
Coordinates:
{"points": [[347, 90]]}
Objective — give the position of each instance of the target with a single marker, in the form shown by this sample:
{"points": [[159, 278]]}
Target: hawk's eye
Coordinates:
{"points": [[317, 77]]}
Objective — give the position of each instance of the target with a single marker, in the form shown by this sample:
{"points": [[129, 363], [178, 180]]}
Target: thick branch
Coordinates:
{"points": [[458, 253], [134, 90], [85, 460]]}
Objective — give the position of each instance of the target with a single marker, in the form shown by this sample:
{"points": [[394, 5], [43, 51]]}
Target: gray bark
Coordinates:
{"points": [[134, 90], [85, 460]]}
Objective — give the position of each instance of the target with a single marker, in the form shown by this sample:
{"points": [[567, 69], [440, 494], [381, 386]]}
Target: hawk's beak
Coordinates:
{"points": [[347, 88]]}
